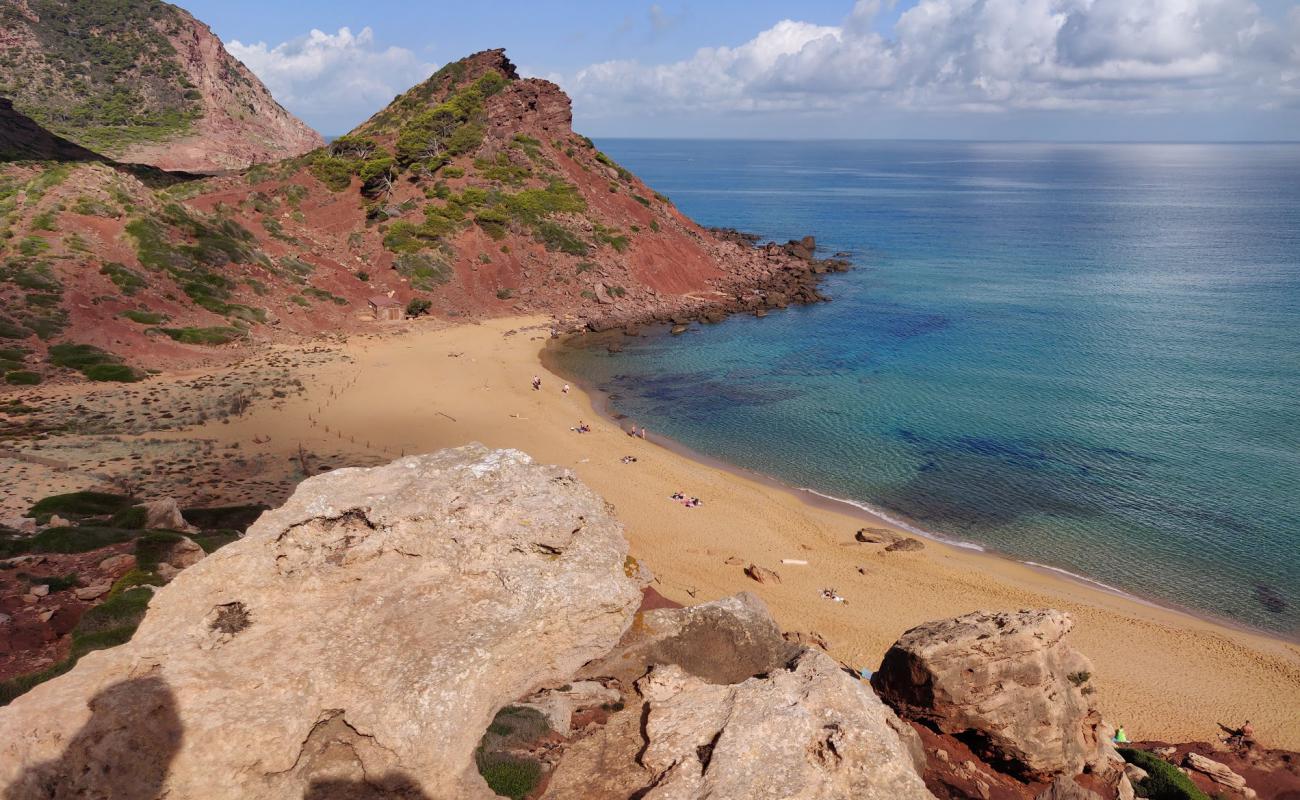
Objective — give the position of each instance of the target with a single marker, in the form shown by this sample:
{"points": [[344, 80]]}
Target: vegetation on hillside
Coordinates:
{"points": [[98, 72]]}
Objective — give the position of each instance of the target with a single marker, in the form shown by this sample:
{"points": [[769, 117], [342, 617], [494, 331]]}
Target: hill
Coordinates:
{"points": [[468, 196], [141, 81]]}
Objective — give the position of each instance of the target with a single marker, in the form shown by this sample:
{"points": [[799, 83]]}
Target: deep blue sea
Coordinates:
{"points": [[1084, 356]]}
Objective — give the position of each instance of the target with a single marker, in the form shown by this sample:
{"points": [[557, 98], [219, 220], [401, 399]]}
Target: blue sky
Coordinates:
{"points": [[966, 69]]}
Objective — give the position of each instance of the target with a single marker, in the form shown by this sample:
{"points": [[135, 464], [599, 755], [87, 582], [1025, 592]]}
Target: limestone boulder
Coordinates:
{"points": [[1220, 773], [1007, 682], [720, 704], [164, 514], [724, 641], [806, 731], [356, 642]]}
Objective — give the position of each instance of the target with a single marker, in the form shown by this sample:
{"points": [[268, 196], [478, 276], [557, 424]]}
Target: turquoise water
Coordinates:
{"points": [[1084, 356]]}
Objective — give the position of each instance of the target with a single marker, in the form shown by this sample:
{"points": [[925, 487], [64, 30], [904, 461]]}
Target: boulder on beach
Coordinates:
{"points": [[1007, 683]]}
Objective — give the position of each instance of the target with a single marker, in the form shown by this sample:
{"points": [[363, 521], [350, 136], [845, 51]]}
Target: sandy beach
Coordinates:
{"points": [[1163, 674]]}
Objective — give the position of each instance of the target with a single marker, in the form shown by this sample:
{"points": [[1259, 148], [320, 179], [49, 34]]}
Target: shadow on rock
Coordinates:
{"points": [[392, 786], [123, 751]]}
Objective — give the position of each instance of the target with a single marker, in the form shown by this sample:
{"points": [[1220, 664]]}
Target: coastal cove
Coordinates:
{"points": [[431, 386], [1076, 355]]}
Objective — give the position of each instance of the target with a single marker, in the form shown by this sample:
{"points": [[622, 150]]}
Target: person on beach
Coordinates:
{"points": [[564, 389], [642, 433], [633, 431], [537, 383], [1121, 737]]}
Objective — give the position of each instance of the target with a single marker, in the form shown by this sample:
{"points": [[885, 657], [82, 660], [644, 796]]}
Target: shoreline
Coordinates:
{"points": [[603, 404], [429, 385]]}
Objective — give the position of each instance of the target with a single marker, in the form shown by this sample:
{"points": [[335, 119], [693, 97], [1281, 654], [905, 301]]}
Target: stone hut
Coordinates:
{"points": [[386, 308]]}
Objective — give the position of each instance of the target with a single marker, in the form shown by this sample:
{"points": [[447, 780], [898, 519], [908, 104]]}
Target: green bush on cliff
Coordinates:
{"points": [[90, 361], [1164, 781]]}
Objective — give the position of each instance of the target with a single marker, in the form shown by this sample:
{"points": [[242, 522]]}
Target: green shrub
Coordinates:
{"points": [[223, 517], [56, 583], [79, 504], [44, 221], [144, 317], [205, 336], [22, 377], [509, 776], [112, 373], [133, 578], [125, 278], [131, 518], [95, 364], [1164, 781], [423, 270], [321, 294], [150, 548], [298, 299], [418, 307], [556, 237], [66, 540], [643, 201], [505, 294], [211, 542], [33, 246], [654, 225], [91, 207]]}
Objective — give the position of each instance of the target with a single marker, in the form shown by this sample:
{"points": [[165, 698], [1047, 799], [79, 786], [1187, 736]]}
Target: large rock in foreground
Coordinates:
{"points": [[719, 705], [1006, 683], [356, 643]]}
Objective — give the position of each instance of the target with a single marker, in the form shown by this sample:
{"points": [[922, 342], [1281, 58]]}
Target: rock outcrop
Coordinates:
{"points": [[1007, 683], [718, 704], [165, 514], [356, 642], [807, 730]]}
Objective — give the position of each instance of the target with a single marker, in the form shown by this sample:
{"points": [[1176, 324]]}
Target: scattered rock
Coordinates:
{"points": [[905, 545], [39, 591], [1066, 787], [388, 614], [58, 522], [1135, 773], [24, 525], [559, 705], [762, 574], [92, 592], [1008, 683], [876, 536], [182, 553], [725, 641], [1219, 773], [809, 639], [118, 563], [733, 561]]}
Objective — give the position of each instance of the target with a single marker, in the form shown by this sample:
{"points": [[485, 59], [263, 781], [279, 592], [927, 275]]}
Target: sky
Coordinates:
{"points": [[1075, 70]]}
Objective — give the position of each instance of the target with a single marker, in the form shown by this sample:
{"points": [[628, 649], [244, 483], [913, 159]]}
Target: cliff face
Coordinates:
{"points": [[141, 81], [469, 196]]}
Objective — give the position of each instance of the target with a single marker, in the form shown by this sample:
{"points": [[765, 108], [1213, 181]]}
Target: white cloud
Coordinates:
{"points": [[333, 81], [984, 55]]}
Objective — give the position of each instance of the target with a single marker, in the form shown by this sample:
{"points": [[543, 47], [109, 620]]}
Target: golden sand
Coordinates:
{"points": [[1163, 674]]}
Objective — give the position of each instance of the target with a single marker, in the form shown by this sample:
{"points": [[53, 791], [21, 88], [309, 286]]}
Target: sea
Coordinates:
{"points": [[1081, 356]]}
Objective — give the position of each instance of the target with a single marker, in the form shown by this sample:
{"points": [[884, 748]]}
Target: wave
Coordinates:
{"points": [[898, 523]]}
